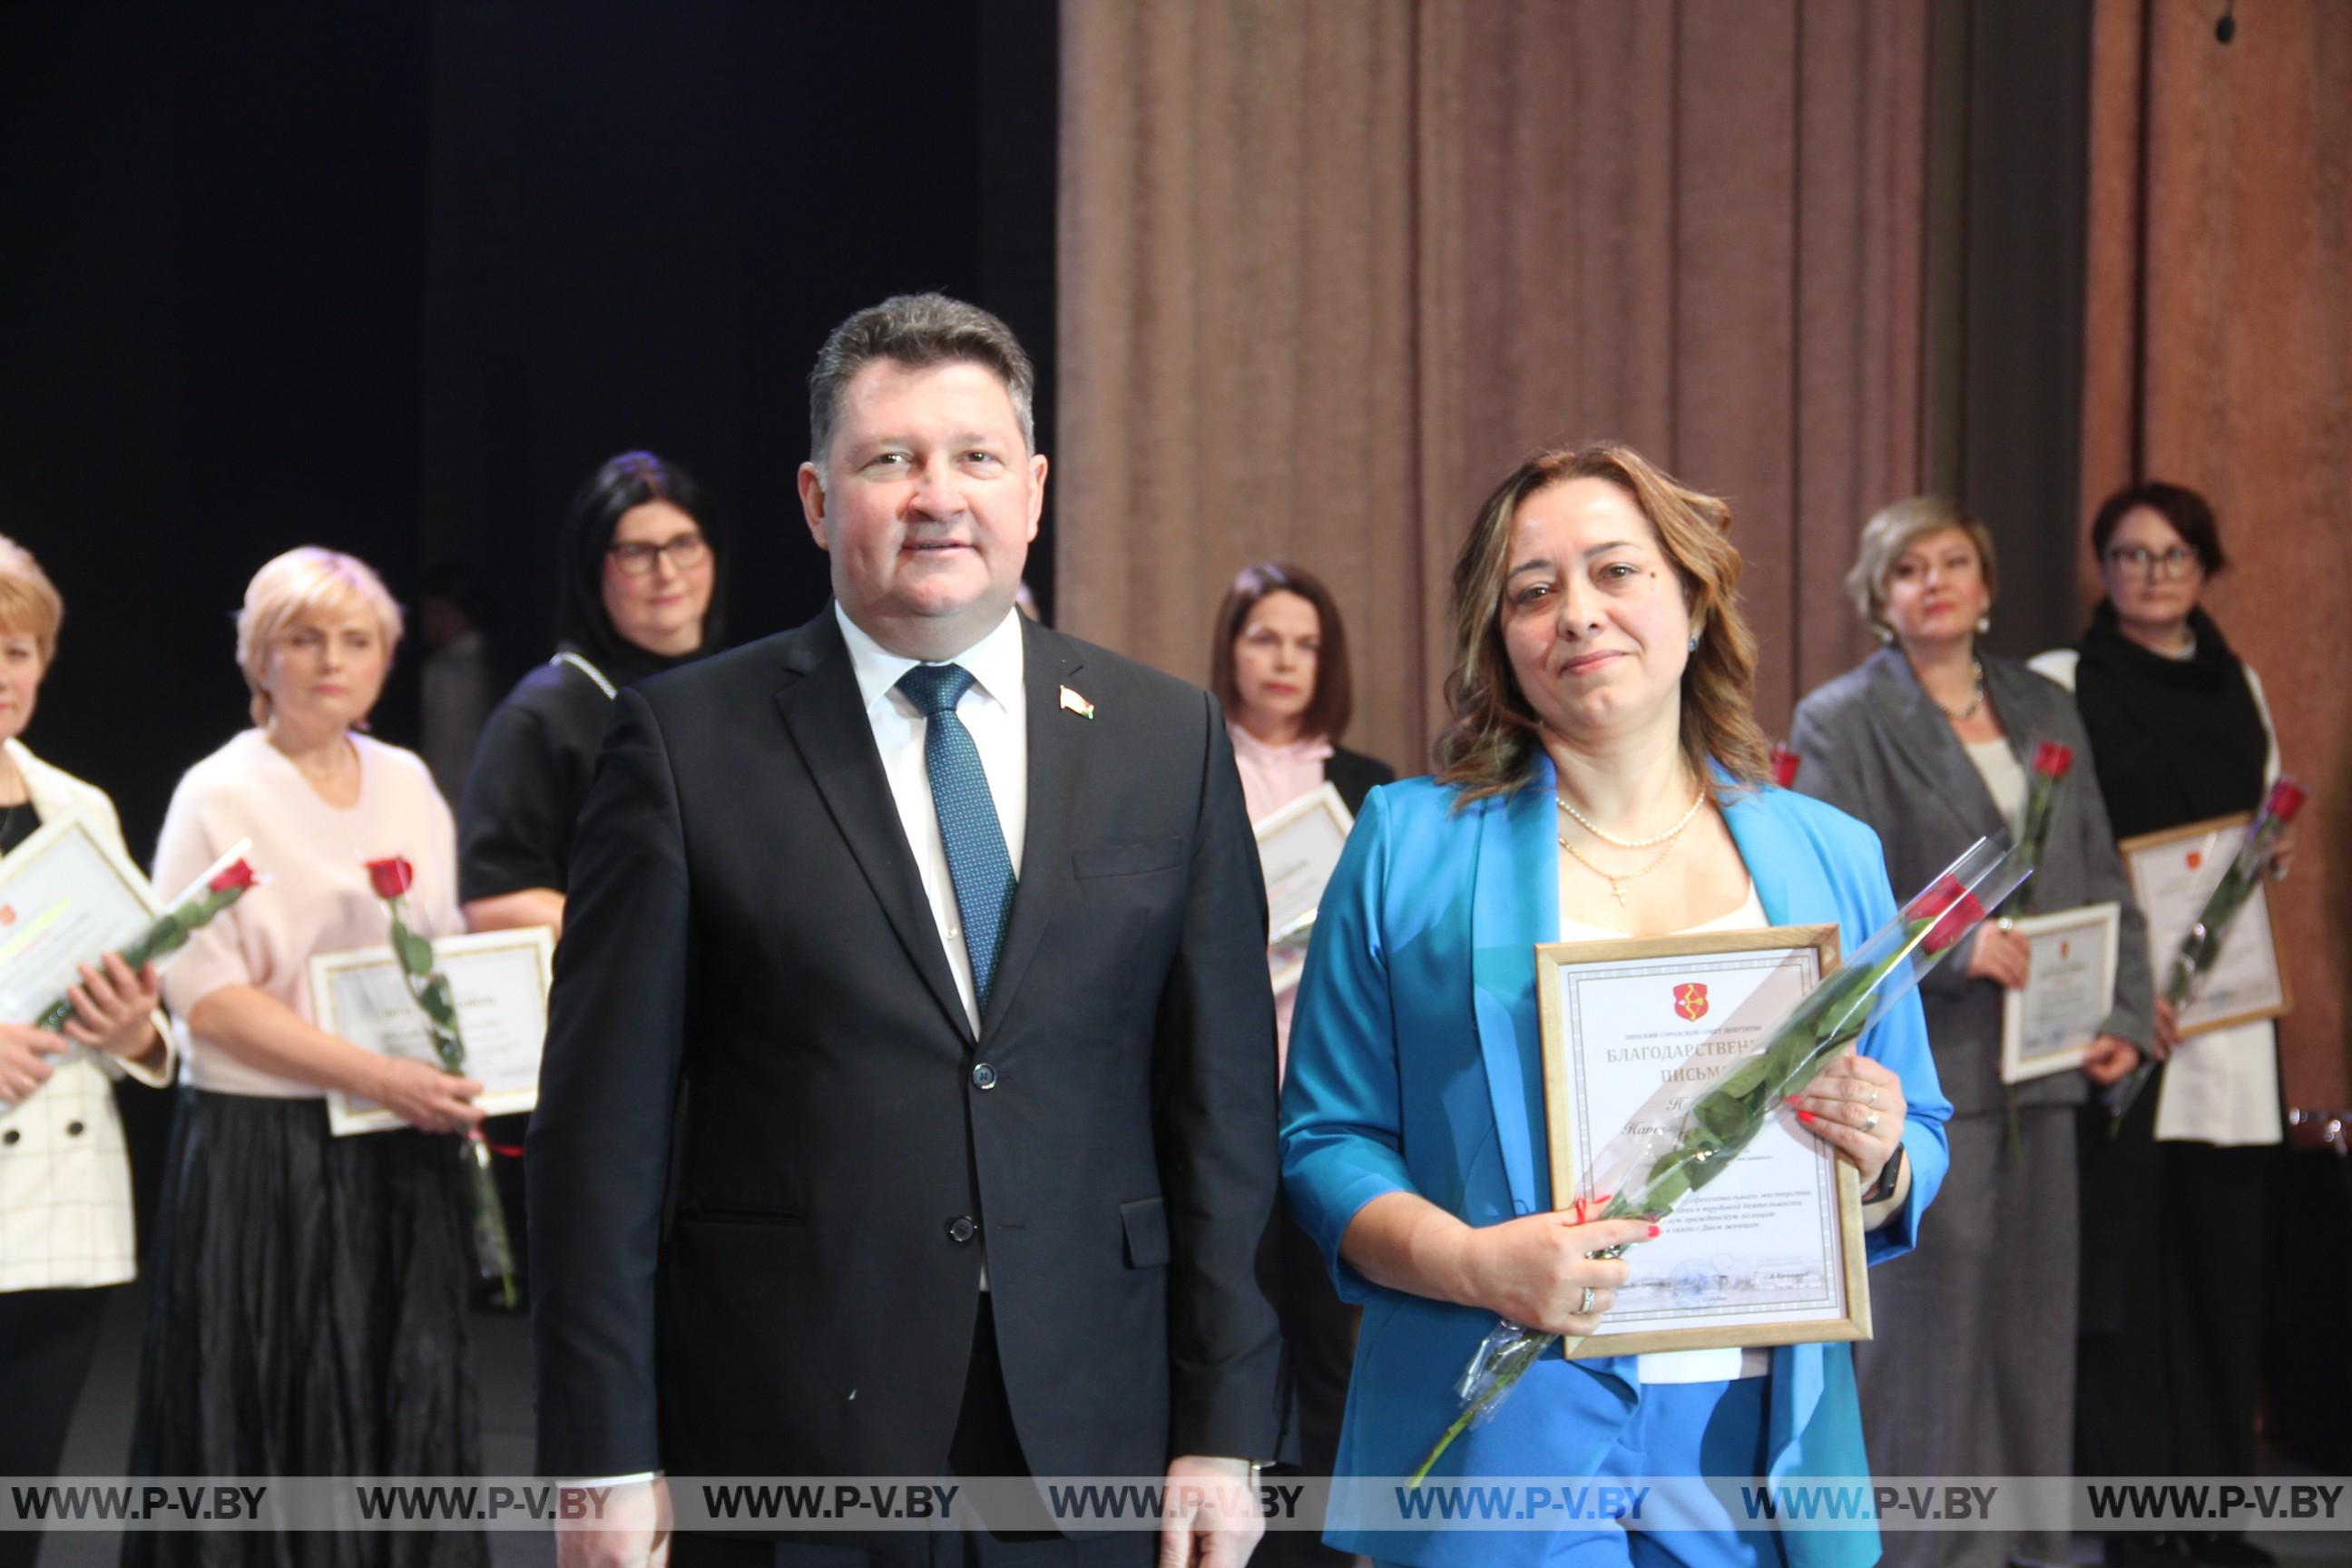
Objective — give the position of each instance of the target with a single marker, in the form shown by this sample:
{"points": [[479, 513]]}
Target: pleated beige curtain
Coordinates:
{"points": [[2219, 356], [1329, 267]]}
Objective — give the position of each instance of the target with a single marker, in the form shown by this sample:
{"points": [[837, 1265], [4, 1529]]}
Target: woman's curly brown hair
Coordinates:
{"points": [[1489, 746]]}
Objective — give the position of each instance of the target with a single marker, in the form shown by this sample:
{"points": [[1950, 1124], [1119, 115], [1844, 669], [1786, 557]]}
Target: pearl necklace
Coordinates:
{"points": [[1668, 837]]}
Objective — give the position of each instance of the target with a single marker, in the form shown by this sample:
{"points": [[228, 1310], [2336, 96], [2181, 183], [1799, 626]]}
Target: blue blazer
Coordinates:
{"points": [[1414, 1067]]}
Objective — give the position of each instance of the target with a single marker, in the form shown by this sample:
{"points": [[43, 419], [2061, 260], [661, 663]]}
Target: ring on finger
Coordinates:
{"points": [[1872, 1100], [1584, 1307], [1870, 1122]]}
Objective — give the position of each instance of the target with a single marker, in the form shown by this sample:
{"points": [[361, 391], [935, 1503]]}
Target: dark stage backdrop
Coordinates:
{"points": [[395, 277]]}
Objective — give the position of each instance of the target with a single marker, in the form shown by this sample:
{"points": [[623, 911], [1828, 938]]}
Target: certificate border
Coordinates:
{"points": [[1325, 801], [44, 840], [343, 1121], [2161, 960], [1551, 957], [2013, 1069]]}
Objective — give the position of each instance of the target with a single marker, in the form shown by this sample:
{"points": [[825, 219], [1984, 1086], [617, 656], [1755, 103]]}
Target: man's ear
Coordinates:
{"points": [[813, 500]]}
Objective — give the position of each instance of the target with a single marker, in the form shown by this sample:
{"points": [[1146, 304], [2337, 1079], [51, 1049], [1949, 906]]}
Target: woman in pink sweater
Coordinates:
{"points": [[310, 1291]]}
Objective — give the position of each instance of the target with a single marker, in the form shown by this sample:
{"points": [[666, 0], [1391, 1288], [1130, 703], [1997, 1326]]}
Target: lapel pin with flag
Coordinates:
{"points": [[1074, 703]]}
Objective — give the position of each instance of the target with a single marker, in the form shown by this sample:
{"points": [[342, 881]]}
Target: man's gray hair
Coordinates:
{"points": [[917, 330]]}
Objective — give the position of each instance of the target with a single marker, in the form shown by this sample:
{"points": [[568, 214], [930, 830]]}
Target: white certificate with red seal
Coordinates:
{"points": [[1634, 1031]]}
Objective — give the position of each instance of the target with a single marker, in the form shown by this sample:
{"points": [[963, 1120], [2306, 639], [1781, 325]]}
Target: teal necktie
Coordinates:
{"points": [[977, 861]]}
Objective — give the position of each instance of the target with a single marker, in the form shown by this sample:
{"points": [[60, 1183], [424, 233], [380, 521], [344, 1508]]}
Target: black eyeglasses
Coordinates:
{"points": [[2139, 558], [686, 553]]}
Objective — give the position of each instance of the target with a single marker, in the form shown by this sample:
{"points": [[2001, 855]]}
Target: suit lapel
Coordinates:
{"points": [[1917, 731], [1059, 755], [828, 722], [1517, 905]]}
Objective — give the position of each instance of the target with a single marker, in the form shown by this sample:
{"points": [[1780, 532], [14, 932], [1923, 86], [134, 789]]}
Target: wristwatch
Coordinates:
{"points": [[1889, 1175]]}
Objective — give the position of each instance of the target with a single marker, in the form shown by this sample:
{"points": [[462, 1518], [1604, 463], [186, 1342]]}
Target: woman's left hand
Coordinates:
{"points": [[2106, 1059], [114, 1008], [1855, 1107]]}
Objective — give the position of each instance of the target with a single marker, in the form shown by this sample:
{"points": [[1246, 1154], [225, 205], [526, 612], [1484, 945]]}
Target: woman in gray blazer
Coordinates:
{"points": [[1971, 1371]]}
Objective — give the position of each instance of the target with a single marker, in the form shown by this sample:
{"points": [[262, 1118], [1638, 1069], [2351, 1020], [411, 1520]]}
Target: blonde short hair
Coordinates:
{"points": [[1896, 528], [30, 605], [300, 582]]}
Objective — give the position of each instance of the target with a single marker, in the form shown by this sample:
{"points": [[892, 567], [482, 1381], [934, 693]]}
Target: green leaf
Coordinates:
{"points": [[416, 952]]}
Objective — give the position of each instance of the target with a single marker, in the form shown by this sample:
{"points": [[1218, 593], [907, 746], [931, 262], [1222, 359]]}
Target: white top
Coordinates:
{"points": [[2221, 1086], [995, 709], [2004, 779], [314, 897], [65, 1180], [1691, 1366]]}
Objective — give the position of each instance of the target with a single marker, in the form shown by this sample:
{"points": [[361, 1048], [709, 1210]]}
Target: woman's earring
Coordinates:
{"points": [[1884, 631], [1693, 642], [1984, 624]]}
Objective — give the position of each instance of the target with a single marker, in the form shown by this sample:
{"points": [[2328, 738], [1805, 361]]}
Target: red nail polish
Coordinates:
{"points": [[1654, 1230], [1805, 1116]]}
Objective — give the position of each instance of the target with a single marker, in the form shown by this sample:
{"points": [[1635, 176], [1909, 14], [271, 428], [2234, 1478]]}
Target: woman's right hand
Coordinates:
{"points": [[1536, 1272], [2000, 956], [427, 1098], [25, 1054]]}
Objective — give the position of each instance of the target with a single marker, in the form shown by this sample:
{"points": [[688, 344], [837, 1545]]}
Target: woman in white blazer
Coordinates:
{"points": [[65, 1181]]}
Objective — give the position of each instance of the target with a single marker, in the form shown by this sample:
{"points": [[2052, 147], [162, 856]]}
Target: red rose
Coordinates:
{"points": [[2287, 798], [237, 875], [1784, 766], [1953, 908], [2053, 760], [393, 877]]}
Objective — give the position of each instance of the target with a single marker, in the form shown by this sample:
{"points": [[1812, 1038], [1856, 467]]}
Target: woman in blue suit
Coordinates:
{"points": [[1601, 776]]}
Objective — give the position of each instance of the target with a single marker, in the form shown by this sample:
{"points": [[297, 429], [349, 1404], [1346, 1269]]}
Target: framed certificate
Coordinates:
{"points": [[1634, 1031], [66, 898], [1299, 849], [2172, 874], [2049, 1026], [500, 979]]}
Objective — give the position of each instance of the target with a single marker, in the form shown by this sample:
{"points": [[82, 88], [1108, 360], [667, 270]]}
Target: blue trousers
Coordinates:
{"points": [[1682, 1429]]}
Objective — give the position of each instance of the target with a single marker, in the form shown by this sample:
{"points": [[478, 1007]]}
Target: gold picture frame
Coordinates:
{"points": [[1558, 960]]}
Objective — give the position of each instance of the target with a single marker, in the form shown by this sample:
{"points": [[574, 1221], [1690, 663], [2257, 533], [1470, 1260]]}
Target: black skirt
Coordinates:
{"points": [[307, 1311]]}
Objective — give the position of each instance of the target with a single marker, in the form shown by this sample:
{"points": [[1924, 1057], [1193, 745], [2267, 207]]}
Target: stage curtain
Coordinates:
{"points": [[1327, 269]]}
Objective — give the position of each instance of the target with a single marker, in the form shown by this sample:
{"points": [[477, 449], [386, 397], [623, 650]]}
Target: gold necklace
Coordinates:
{"points": [[1616, 890]]}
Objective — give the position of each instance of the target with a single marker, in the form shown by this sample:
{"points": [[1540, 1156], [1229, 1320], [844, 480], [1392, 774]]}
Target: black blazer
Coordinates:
{"points": [[1354, 775], [754, 1016]]}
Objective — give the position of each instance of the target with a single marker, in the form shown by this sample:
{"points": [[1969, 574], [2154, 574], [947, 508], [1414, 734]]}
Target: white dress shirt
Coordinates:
{"points": [[995, 710]]}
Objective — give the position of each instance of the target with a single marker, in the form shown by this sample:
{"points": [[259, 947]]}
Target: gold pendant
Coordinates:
{"points": [[1616, 892]]}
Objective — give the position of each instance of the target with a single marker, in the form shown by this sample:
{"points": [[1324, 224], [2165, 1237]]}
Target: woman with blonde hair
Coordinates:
{"points": [[308, 1313], [1971, 1370], [66, 1226], [1602, 777]]}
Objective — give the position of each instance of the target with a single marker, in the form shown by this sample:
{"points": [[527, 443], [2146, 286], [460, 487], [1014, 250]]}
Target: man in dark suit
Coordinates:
{"points": [[908, 1098]]}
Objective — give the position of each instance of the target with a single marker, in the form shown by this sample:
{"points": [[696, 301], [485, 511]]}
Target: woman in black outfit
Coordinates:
{"points": [[2169, 1355], [642, 593], [642, 576]]}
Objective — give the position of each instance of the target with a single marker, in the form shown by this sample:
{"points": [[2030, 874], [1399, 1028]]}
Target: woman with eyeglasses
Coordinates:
{"points": [[640, 596], [2169, 1360]]}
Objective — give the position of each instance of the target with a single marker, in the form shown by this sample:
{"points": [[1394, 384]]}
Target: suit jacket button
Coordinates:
{"points": [[961, 1229], [10, 1136], [73, 1129], [984, 1077]]}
